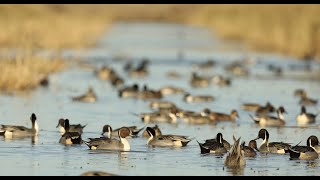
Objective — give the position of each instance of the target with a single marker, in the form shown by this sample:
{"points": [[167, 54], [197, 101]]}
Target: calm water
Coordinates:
{"points": [[161, 44]]}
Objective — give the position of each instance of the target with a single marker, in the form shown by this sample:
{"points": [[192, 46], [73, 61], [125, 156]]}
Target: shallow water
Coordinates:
{"points": [[162, 45]]}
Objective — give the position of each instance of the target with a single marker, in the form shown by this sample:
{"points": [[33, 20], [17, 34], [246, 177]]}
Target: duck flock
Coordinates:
{"points": [[265, 115]]}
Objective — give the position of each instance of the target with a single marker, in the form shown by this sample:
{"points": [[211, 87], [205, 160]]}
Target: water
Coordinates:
{"points": [[161, 43]]}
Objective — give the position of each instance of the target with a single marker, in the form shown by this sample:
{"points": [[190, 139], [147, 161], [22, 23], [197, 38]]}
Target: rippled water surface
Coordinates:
{"points": [[170, 47]]}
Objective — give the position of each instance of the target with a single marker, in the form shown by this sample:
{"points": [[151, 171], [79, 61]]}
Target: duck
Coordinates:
{"points": [[305, 118], [108, 132], [9, 131], [272, 147], [235, 157], [104, 73], [313, 142], [147, 93], [220, 80], [129, 92], [303, 152], [70, 137], [72, 128], [156, 129], [263, 110], [217, 116], [306, 101], [167, 90], [89, 97], [271, 120], [250, 150], [197, 81], [97, 173], [196, 99], [161, 104], [140, 71], [166, 140], [112, 144], [215, 146]]}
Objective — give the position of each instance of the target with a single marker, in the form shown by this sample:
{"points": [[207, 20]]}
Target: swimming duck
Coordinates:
{"points": [[70, 137], [88, 97], [215, 146], [166, 140], [249, 151], [108, 132], [305, 118], [313, 142], [9, 131], [198, 81], [235, 157], [156, 129], [226, 144], [130, 91], [196, 99], [167, 90], [271, 120], [72, 128], [217, 116], [303, 152], [272, 147]]}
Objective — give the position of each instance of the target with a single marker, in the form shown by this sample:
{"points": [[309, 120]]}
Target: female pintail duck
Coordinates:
{"points": [[198, 81], [196, 99], [130, 91], [112, 144], [9, 131], [89, 96], [166, 140], [72, 127], [235, 157], [149, 93], [108, 132], [155, 128], [216, 116], [226, 144], [250, 150], [314, 143], [221, 81], [303, 152], [167, 90], [161, 104], [97, 173], [306, 101], [263, 110], [70, 137], [305, 118], [272, 147], [271, 120]]}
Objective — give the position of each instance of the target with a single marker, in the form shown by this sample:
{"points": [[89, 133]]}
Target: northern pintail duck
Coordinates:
{"points": [[250, 150], [90, 96], [149, 93], [140, 71], [271, 120], [97, 173], [156, 129], [9, 131], [272, 147], [219, 137], [72, 127], [237, 68], [171, 90], [205, 65], [306, 101], [198, 81], [112, 144], [70, 137], [313, 142], [217, 116], [221, 81], [197, 119], [197, 98], [108, 132], [156, 117], [166, 140], [211, 146], [130, 91], [104, 73], [305, 118], [235, 157], [161, 104], [263, 110], [303, 152], [116, 81]]}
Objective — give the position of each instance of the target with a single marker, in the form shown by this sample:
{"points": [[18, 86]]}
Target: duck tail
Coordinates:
{"points": [[255, 119], [203, 149], [88, 144], [294, 154]]}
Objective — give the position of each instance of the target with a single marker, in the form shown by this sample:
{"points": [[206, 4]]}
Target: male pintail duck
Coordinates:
{"points": [[156, 129], [89, 96], [216, 146], [70, 137], [166, 140], [108, 132], [272, 147], [161, 104], [130, 91], [72, 127], [314, 143], [271, 120], [305, 118], [198, 81], [303, 152], [197, 119], [235, 157], [226, 144], [9, 131], [167, 90], [250, 150], [112, 144], [263, 110], [216, 116], [198, 98]]}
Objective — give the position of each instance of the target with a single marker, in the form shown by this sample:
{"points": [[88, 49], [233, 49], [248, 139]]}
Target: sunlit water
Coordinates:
{"points": [[161, 43]]}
